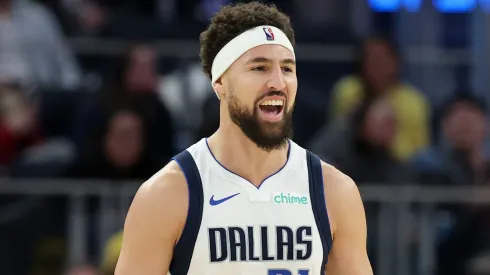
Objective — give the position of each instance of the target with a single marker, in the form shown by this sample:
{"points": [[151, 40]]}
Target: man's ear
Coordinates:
{"points": [[218, 88]]}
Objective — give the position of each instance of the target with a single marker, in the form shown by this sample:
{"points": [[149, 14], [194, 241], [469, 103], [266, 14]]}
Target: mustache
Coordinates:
{"points": [[271, 93]]}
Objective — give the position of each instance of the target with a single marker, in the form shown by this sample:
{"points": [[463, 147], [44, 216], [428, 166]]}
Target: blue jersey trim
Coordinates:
{"points": [[318, 204], [184, 248]]}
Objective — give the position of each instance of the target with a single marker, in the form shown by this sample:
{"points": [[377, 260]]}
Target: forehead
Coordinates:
{"points": [[272, 52], [467, 107], [377, 47]]}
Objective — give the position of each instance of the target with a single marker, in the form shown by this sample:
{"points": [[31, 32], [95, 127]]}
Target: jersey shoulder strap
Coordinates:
{"points": [[184, 248], [318, 202]]}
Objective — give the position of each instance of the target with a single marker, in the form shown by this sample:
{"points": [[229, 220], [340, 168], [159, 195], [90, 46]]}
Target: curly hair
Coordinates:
{"points": [[232, 20]]}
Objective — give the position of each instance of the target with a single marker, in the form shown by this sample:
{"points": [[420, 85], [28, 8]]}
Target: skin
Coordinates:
{"points": [[158, 213]]}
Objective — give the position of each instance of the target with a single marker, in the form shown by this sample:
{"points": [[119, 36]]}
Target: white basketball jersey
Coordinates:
{"points": [[234, 227]]}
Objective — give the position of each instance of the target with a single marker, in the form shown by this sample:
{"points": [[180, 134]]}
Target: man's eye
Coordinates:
{"points": [[260, 68]]}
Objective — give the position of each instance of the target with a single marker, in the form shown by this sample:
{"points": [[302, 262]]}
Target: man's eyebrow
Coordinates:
{"points": [[259, 60], [288, 61]]}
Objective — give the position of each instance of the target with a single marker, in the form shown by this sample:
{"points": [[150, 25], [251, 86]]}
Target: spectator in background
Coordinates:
{"points": [[25, 148], [121, 153], [460, 160], [379, 74], [359, 146], [19, 128], [132, 86], [32, 48], [362, 151], [85, 17]]}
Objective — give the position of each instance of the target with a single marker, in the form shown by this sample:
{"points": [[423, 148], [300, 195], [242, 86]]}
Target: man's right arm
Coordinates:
{"points": [[154, 223]]}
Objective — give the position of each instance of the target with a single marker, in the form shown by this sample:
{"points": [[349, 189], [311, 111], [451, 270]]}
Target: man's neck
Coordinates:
{"points": [[241, 156]]}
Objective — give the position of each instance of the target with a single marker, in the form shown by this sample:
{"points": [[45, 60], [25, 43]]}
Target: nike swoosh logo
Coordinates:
{"points": [[216, 202]]}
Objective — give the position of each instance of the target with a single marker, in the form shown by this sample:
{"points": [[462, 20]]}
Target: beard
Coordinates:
{"points": [[267, 136]]}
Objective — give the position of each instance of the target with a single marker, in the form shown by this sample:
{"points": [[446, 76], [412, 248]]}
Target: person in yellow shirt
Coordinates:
{"points": [[379, 75]]}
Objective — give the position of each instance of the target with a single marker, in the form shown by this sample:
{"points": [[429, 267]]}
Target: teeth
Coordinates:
{"points": [[272, 102]]}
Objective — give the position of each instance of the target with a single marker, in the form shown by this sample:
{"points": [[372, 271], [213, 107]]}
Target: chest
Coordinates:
{"points": [[252, 230], [280, 199]]}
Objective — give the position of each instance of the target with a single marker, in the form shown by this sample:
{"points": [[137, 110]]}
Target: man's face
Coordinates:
{"points": [[259, 90]]}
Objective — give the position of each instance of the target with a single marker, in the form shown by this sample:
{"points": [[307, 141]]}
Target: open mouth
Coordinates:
{"points": [[272, 109]]}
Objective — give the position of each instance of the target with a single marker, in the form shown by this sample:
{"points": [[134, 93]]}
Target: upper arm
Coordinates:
{"points": [[154, 222], [349, 253]]}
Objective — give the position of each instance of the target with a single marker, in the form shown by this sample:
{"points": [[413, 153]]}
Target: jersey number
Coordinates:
{"points": [[287, 272]]}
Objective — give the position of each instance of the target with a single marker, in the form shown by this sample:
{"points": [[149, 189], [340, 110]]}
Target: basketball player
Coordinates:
{"points": [[247, 200]]}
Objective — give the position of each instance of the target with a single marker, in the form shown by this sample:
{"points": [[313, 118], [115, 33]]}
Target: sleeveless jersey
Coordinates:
{"points": [[234, 227]]}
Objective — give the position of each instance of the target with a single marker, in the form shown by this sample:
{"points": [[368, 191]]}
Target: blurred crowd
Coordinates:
{"points": [[122, 117]]}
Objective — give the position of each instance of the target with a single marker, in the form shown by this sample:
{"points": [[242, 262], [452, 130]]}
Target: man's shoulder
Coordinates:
{"points": [[163, 198], [331, 175], [341, 195], [168, 184], [154, 223], [335, 180]]}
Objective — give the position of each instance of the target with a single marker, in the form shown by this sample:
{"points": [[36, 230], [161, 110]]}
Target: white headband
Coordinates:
{"points": [[247, 40]]}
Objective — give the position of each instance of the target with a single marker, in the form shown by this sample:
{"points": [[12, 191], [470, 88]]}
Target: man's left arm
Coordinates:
{"points": [[348, 255]]}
